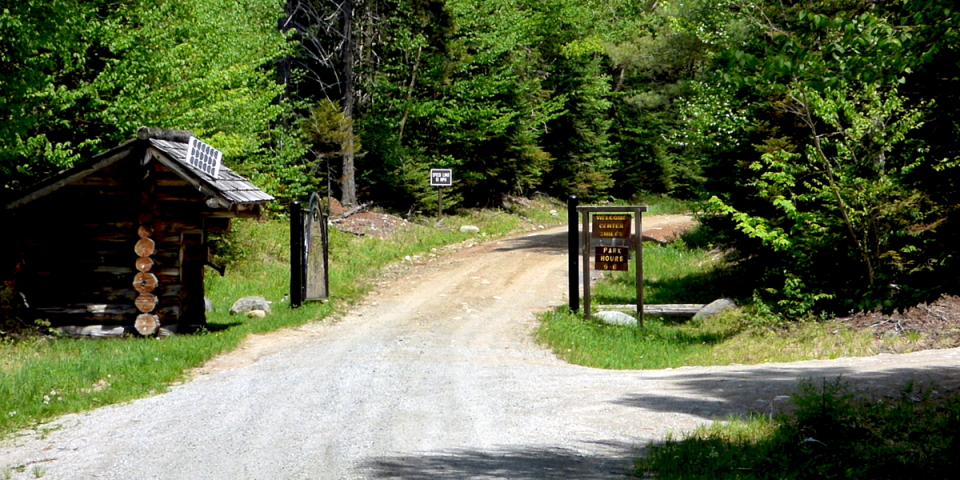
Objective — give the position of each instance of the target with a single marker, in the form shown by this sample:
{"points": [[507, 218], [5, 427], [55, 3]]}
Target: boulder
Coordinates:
{"points": [[207, 304], [469, 229], [247, 304], [256, 314], [715, 308], [615, 318]]}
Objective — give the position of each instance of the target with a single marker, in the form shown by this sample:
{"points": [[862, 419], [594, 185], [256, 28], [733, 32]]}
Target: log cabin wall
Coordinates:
{"points": [[79, 253], [117, 244]]}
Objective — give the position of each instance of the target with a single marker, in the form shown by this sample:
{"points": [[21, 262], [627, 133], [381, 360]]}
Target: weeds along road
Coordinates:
{"points": [[434, 376]]}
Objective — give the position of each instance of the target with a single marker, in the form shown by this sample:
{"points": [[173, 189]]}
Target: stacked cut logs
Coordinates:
{"points": [[146, 282]]}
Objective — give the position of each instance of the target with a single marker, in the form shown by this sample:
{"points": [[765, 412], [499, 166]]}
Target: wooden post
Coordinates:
{"points": [[573, 266], [296, 255], [585, 248], [638, 246]]}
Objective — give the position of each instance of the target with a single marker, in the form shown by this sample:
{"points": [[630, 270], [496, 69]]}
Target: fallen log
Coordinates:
{"points": [[664, 310], [352, 211], [95, 331]]}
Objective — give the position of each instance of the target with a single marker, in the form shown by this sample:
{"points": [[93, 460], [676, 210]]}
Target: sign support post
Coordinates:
{"points": [[638, 248], [441, 177]]}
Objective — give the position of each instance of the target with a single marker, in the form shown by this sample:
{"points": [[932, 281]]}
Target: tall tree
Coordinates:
{"points": [[328, 60], [348, 185]]}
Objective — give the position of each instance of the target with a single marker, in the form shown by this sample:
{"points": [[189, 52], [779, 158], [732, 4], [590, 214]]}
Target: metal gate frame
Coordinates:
{"points": [[309, 247], [315, 263]]}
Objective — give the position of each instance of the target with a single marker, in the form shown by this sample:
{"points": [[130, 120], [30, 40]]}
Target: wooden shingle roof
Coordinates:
{"points": [[229, 185]]}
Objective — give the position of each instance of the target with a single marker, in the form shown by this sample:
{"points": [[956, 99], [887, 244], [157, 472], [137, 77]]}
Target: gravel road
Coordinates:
{"points": [[434, 375]]}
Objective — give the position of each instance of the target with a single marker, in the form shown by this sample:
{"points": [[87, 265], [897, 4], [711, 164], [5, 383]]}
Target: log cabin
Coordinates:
{"points": [[117, 244]]}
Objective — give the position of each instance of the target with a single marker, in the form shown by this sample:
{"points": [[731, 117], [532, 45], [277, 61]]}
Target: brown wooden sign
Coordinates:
{"points": [[612, 258], [611, 225]]}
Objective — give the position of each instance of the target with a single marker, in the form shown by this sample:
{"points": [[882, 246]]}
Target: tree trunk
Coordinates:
{"points": [[348, 185], [413, 82]]}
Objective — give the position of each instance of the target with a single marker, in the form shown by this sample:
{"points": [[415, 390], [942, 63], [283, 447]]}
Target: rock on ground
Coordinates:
{"points": [[247, 304], [714, 308], [615, 318]]}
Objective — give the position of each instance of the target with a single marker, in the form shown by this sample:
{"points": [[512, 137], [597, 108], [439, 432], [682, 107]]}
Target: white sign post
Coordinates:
{"points": [[441, 177]]}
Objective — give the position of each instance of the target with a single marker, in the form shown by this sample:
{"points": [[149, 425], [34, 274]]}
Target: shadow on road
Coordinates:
{"points": [[511, 462], [538, 242], [721, 394]]}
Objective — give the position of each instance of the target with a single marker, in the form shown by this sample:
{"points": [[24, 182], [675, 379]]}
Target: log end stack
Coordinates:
{"points": [[145, 282]]}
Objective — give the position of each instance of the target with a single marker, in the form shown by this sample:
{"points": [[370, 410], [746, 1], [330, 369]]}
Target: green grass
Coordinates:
{"points": [[45, 377], [657, 345], [831, 433], [672, 274], [680, 274]]}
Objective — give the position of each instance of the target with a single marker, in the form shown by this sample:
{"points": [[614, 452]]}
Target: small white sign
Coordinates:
{"points": [[441, 177]]}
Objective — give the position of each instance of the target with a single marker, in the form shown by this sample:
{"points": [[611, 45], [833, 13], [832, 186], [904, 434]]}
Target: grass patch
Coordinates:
{"points": [[677, 273], [41, 378], [831, 433], [669, 343], [672, 274], [657, 345]]}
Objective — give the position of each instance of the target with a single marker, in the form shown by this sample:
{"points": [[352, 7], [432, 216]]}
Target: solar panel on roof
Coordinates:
{"points": [[204, 157]]}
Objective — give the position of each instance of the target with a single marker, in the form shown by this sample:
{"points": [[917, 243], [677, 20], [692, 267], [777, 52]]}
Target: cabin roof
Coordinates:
{"points": [[231, 186], [230, 189]]}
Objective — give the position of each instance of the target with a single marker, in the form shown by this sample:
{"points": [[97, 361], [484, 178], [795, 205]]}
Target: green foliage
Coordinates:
{"points": [[86, 75], [204, 66], [44, 47], [827, 132], [474, 103], [196, 65], [328, 126], [832, 189]]}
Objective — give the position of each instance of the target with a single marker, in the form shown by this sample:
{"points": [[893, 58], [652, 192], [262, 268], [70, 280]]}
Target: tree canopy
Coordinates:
{"points": [[821, 135]]}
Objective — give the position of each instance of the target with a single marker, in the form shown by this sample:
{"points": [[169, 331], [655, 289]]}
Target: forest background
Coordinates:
{"points": [[821, 138]]}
